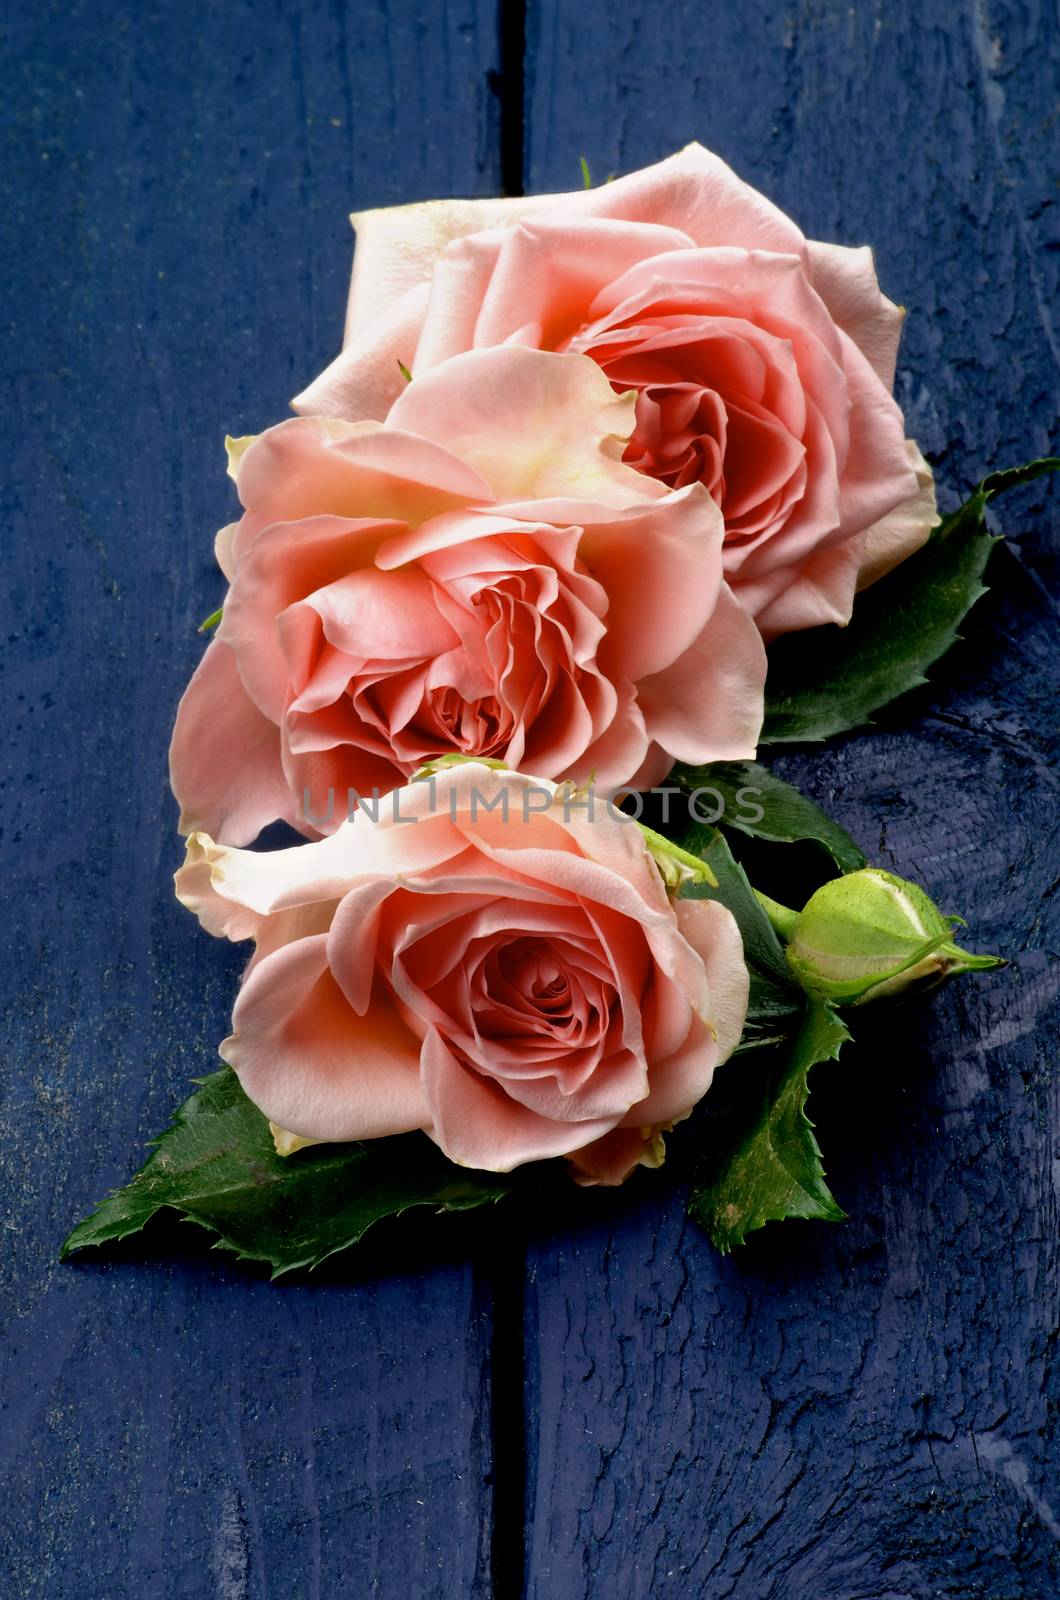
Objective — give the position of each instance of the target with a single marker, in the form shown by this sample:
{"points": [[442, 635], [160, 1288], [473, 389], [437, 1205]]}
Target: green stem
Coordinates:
{"points": [[782, 917]]}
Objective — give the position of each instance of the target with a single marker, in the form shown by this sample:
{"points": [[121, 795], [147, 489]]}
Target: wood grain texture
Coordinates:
{"points": [[863, 1412], [175, 256]]}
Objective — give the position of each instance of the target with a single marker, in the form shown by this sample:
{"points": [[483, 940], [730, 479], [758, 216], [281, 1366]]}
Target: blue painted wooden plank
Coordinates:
{"points": [[862, 1410], [175, 256]]}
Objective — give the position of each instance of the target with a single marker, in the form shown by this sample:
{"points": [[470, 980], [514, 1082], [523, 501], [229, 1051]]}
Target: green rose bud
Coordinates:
{"points": [[870, 934]]}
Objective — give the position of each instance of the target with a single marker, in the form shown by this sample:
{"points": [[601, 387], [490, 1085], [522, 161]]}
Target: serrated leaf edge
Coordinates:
{"points": [[835, 1212], [308, 1261]]}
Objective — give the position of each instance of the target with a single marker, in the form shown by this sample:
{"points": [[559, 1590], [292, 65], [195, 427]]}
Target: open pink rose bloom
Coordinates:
{"points": [[480, 575], [762, 361], [484, 961]]}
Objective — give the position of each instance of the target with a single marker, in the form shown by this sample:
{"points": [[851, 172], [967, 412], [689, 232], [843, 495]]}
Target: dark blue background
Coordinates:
{"points": [[850, 1413]]}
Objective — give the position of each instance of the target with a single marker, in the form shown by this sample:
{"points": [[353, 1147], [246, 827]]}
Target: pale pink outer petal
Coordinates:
{"points": [[311, 1064], [678, 1084], [618, 751], [353, 938], [366, 379], [543, 276], [286, 562], [846, 281], [449, 792], [707, 961], [459, 284], [313, 466], [224, 756], [613, 840], [553, 819], [233, 891], [532, 423], [904, 530], [661, 571], [610, 1160], [711, 930], [878, 476], [398, 248], [463, 532], [692, 190], [653, 769], [554, 839], [695, 191], [227, 917], [820, 591], [593, 885], [477, 1124], [679, 1081], [224, 548], [709, 705], [224, 917], [823, 589], [525, 285], [398, 245]]}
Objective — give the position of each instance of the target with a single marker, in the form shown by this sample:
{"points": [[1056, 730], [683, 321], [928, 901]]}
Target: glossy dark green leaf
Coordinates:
{"points": [[216, 1165], [776, 1000], [830, 680], [756, 802], [763, 1162]]}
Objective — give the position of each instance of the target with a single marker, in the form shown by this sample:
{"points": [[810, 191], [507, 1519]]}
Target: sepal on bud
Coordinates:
{"points": [[286, 1142], [455, 758], [235, 450], [869, 934], [678, 867]]}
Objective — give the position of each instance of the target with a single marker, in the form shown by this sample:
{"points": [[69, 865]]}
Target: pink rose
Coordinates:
{"points": [[482, 575], [762, 362], [513, 981]]}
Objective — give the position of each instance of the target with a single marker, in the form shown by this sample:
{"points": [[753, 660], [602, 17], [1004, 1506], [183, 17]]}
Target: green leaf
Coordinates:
{"points": [[216, 1165], [587, 181], [211, 621], [829, 680], [776, 1000], [770, 1168], [996, 483], [765, 807], [405, 373]]}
